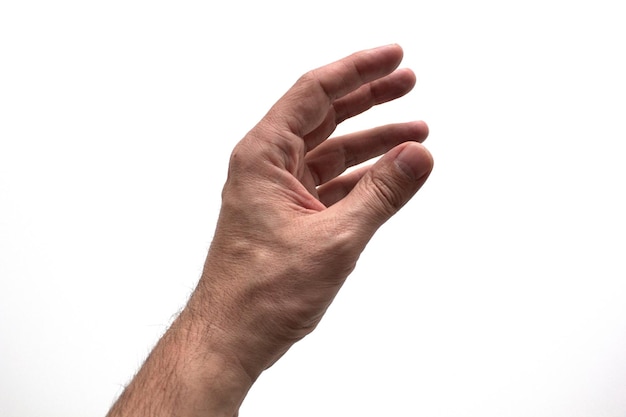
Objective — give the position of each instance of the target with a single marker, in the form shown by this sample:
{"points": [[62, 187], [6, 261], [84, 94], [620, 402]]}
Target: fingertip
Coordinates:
{"points": [[407, 76], [393, 45], [393, 49], [414, 160], [397, 47], [421, 130]]}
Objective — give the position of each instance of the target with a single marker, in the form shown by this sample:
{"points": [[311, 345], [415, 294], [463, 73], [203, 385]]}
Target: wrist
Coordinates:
{"points": [[252, 315]]}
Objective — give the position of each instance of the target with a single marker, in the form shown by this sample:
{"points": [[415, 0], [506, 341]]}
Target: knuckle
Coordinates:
{"points": [[390, 195], [307, 77]]}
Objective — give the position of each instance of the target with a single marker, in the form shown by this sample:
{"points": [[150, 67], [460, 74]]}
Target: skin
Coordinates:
{"points": [[290, 231]]}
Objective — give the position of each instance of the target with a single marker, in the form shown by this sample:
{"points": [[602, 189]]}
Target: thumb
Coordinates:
{"points": [[385, 188]]}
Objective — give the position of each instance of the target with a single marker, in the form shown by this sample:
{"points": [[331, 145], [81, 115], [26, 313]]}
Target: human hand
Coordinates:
{"points": [[291, 228]]}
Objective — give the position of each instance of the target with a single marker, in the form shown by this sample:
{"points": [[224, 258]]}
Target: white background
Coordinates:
{"points": [[498, 291]]}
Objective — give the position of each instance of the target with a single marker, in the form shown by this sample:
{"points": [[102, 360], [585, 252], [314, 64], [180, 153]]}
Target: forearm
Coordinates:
{"points": [[186, 375], [227, 334]]}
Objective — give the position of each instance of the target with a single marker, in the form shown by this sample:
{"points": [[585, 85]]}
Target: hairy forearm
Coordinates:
{"points": [[186, 375]]}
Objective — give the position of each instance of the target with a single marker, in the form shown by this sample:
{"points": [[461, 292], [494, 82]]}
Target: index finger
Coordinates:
{"points": [[306, 104]]}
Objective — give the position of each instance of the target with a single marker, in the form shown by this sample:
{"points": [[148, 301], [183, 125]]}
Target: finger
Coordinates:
{"points": [[337, 189], [334, 156], [305, 106], [365, 97], [383, 190], [380, 91]]}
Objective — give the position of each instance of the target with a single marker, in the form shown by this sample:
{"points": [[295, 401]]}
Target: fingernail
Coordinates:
{"points": [[411, 161]]}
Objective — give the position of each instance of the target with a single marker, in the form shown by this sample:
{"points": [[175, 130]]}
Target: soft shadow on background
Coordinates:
{"points": [[498, 290]]}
